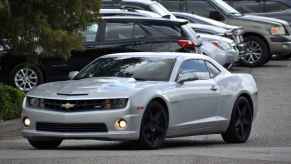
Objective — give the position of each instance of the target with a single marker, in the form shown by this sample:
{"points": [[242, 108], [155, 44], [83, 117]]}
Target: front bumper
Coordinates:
{"points": [[131, 132], [280, 45]]}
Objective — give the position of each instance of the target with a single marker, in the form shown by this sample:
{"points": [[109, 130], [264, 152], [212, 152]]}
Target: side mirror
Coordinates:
{"points": [[187, 76], [73, 74], [216, 16]]}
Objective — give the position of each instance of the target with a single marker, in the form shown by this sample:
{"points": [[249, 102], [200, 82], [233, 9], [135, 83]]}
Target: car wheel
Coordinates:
{"points": [[154, 126], [256, 53], [26, 76], [241, 122], [45, 143]]}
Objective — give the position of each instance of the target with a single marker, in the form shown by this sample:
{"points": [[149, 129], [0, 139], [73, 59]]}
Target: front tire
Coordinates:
{"points": [[257, 52], [45, 143], [26, 76], [154, 126], [241, 122]]}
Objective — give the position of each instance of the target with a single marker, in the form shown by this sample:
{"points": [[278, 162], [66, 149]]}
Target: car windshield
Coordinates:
{"points": [[139, 68], [226, 7]]}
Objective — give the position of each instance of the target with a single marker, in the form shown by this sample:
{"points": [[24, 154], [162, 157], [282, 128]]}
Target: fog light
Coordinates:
{"points": [[121, 124], [26, 122]]}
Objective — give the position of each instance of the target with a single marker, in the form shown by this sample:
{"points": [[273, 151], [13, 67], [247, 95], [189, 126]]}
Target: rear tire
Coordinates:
{"points": [[154, 126], [241, 122], [257, 52], [45, 143]]}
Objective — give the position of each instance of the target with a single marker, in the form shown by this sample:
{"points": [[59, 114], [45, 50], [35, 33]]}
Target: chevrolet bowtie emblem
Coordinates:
{"points": [[68, 106]]}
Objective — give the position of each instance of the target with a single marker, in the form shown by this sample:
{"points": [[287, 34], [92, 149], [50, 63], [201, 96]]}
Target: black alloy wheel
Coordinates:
{"points": [[241, 122], [154, 126]]}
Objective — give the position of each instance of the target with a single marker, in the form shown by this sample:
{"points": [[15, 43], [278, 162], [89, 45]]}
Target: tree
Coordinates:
{"points": [[50, 25]]}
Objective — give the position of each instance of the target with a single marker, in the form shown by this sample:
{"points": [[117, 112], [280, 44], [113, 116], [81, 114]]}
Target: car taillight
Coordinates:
{"points": [[186, 43]]}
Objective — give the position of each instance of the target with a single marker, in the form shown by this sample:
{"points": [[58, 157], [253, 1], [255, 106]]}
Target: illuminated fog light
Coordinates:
{"points": [[120, 124], [26, 122]]}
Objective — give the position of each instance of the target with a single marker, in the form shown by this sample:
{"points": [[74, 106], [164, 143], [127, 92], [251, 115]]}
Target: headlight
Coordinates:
{"points": [[222, 45], [278, 30], [35, 102], [115, 103]]}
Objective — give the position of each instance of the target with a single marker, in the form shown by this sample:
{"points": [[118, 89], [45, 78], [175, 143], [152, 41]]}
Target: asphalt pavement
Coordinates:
{"points": [[270, 141]]}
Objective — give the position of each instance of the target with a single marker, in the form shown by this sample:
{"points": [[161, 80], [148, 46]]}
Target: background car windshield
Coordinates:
{"points": [[226, 7], [140, 68]]}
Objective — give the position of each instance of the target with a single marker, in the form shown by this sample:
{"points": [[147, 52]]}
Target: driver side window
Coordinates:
{"points": [[197, 66]]}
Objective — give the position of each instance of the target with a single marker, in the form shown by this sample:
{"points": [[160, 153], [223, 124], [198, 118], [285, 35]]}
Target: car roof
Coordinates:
{"points": [[138, 18], [168, 55]]}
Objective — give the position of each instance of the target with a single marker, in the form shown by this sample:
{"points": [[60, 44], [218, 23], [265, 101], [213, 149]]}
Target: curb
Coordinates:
{"points": [[10, 129]]}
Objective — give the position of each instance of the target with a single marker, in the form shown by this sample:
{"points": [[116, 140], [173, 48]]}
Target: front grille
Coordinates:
{"points": [[71, 128], [236, 38], [73, 105]]}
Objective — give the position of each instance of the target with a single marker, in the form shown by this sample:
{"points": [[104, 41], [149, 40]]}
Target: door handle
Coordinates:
{"points": [[214, 88]]}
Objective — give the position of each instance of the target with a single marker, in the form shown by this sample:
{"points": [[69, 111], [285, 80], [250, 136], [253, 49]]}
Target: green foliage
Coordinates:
{"points": [[52, 25], [10, 102]]}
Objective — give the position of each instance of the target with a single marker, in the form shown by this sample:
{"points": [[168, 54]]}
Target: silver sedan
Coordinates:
{"points": [[142, 97]]}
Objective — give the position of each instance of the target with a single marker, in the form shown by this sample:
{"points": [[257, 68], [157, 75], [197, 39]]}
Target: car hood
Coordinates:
{"points": [[262, 19], [283, 15], [91, 88]]}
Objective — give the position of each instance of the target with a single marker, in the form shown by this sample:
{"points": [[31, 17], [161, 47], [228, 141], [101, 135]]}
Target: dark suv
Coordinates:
{"points": [[110, 35], [280, 9]]}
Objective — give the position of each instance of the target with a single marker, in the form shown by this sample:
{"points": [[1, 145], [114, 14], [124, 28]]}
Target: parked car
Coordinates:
{"points": [[280, 9], [143, 97], [111, 35], [226, 51], [264, 36], [210, 26]]}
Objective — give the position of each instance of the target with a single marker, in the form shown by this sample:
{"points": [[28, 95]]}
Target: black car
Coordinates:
{"points": [[280, 9], [110, 35]]}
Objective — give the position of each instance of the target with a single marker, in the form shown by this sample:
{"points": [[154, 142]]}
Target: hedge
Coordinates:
{"points": [[10, 102]]}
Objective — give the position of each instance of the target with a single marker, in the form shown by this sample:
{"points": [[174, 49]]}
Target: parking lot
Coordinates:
{"points": [[270, 141]]}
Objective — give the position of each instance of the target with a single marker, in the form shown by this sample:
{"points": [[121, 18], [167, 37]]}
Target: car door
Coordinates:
{"points": [[194, 102]]}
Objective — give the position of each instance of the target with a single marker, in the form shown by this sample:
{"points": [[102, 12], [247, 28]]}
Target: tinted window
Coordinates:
{"points": [[163, 31], [213, 70], [273, 6], [197, 66], [90, 33], [248, 6], [140, 68], [139, 32], [202, 8], [118, 31]]}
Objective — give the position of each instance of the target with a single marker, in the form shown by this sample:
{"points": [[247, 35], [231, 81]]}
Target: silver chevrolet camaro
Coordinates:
{"points": [[143, 97]]}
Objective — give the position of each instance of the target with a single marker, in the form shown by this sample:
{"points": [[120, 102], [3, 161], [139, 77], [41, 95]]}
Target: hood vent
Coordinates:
{"points": [[72, 94]]}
